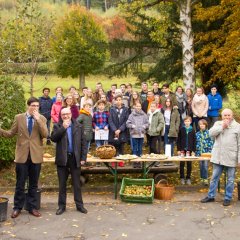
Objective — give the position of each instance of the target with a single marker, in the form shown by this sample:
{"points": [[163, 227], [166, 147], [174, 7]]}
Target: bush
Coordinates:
{"points": [[12, 102]]}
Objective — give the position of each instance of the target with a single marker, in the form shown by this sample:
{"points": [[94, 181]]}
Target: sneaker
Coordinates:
{"points": [[182, 181], [226, 202], [207, 199], [189, 182]]}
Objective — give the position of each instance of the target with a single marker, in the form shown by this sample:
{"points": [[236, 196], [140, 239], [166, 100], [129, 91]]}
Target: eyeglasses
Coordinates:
{"points": [[65, 114], [34, 105]]}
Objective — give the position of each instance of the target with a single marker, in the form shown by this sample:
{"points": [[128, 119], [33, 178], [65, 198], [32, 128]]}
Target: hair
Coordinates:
{"points": [[87, 104], [187, 118], [98, 83], [178, 88], [169, 99], [100, 101], [190, 91], [214, 86], [133, 101], [84, 88], [166, 85], [58, 87], [72, 87], [46, 88], [204, 122], [154, 103], [155, 82], [157, 95], [129, 85], [32, 100], [123, 84], [201, 89], [65, 100], [144, 83], [114, 84], [118, 96]]}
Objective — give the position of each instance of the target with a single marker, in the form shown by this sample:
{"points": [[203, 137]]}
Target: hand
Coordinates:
{"points": [[105, 128], [83, 163], [66, 123], [179, 153], [96, 128], [133, 126], [225, 124], [36, 115], [117, 132]]}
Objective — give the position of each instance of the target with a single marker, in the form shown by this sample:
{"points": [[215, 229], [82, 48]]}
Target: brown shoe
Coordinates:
{"points": [[35, 213], [15, 213]]}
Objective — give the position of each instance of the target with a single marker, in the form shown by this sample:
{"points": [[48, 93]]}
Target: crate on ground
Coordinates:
{"points": [[137, 198]]}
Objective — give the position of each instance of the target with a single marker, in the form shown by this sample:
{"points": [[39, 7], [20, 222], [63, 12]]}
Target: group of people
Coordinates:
{"points": [[124, 115]]}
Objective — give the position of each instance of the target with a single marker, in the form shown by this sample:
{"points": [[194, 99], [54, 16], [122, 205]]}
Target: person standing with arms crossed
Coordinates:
{"points": [[71, 153], [30, 128]]}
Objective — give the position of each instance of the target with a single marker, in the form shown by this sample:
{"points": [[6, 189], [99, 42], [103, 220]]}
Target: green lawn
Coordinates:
{"points": [[52, 81]]}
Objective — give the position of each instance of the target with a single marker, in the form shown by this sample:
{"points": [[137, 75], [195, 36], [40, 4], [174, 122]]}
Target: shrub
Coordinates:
{"points": [[12, 102]]}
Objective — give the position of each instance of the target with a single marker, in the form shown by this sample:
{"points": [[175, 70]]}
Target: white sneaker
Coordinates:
{"points": [[189, 182], [182, 181]]}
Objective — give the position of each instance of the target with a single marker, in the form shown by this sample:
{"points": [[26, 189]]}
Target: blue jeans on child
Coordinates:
{"points": [[203, 169], [217, 171], [137, 144]]}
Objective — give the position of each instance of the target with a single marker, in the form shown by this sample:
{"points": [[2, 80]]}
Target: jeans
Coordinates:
{"points": [[153, 140], [217, 171], [100, 142], [137, 146], [203, 165], [168, 140], [189, 169]]}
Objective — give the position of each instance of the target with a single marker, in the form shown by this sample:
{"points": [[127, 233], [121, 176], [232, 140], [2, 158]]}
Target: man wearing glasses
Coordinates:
{"points": [[30, 128], [71, 153]]}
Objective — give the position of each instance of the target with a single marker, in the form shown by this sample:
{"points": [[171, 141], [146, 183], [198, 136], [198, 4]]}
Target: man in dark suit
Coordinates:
{"points": [[30, 128], [71, 152]]}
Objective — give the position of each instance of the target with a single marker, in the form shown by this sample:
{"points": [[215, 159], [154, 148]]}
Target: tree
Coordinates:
{"points": [[25, 40], [216, 24], [79, 45]]}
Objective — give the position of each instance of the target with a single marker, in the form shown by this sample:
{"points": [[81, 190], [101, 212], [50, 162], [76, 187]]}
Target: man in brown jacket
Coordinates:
{"points": [[30, 128]]}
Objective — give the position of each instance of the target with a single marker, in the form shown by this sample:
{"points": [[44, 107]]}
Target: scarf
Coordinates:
{"points": [[150, 100], [82, 111]]}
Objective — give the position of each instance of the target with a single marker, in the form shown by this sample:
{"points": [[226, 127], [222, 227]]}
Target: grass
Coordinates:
{"points": [[52, 81]]}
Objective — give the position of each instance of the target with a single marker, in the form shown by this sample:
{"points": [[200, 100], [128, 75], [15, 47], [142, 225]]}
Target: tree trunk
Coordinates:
{"points": [[187, 44], [81, 80]]}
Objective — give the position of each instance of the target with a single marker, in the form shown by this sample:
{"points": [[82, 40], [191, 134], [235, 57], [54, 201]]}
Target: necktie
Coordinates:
{"points": [[30, 125]]}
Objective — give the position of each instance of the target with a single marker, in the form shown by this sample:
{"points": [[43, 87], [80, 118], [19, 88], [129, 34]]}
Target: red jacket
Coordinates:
{"points": [[56, 108]]}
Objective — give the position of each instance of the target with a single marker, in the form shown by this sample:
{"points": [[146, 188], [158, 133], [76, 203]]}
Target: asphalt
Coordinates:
{"points": [[183, 218]]}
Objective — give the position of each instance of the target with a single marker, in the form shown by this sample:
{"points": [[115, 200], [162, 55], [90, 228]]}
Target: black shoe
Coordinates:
{"points": [[60, 211], [207, 199], [48, 142], [226, 202], [82, 210]]}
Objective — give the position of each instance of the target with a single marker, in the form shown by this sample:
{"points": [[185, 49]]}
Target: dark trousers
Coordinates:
{"points": [[48, 127], [26, 171], [63, 172], [189, 169], [119, 149], [153, 148]]}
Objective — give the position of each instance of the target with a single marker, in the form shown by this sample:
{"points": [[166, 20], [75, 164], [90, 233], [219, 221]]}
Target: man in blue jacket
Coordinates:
{"points": [[215, 104]]}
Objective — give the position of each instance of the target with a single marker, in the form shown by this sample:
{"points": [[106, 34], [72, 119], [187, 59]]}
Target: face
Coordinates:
{"points": [[157, 98], [168, 103], [155, 86], [58, 98], [179, 90], [150, 94], [123, 88], [34, 106], [58, 90], [129, 89], [199, 91], [85, 90], [87, 108], [227, 114], [213, 91], [101, 106], [69, 100], [188, 92], [103, 97], [202, 126], [89, 92], [66, 114], [138, 107], [98, 86], [100, 91], [187, 122], [165, 90], [118, 101], [46, 92], [72, 90], [113, 88], [76, 95], [144, 87], [134, 95], [153, 107]]}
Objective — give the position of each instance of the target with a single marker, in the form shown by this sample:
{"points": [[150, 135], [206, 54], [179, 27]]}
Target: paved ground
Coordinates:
{"points": [[183, 218]]}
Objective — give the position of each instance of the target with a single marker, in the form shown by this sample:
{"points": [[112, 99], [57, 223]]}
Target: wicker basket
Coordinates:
{"points": [[163, 190], [106, 151]]}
